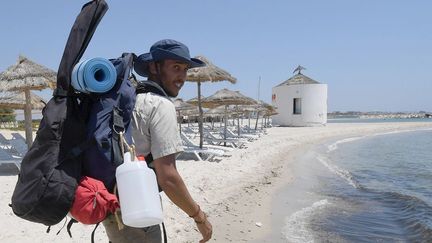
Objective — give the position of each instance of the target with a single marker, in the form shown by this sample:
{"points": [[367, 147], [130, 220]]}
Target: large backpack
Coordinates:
{"points": [[108, 129], [51, 168]]}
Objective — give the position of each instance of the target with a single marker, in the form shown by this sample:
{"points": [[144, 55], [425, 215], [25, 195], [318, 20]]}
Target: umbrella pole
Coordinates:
{"points": [[256, 123], [225, 118], [200, 118], [180, 119], [238, 123], [249, 115], [28, 118]]}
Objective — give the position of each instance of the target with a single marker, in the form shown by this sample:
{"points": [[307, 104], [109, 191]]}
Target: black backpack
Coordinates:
{"points": [[52, 167]]}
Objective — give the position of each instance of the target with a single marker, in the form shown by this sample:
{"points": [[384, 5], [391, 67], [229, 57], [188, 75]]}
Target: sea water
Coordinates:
{"points": [[372, 188]]}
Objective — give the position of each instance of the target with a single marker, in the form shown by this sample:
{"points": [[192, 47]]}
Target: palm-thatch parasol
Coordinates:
{"points": [[227, 97], [220, 111], [248, 109], [210, 73], [24, 76], [16, 100], [185, 108], [266, 108], [194, 100]]}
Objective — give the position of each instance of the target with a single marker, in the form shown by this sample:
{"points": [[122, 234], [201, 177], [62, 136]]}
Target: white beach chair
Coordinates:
{"points": [[187, 142], [190, 148], [19, 146], [231, 134], [198, 153], [4, 142], [213, 140], [6, 158], [16, 135], [249, 130], [189, 132]]}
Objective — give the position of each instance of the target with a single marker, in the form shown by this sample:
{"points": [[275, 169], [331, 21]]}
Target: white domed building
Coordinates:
{"points": [[300, 101]]}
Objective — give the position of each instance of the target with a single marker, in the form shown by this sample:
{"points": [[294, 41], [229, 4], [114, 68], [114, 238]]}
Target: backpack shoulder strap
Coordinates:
{"points": [[150, 86]]}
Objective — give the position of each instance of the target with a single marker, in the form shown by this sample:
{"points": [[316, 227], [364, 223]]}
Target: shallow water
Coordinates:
{"points": [[361, 189]]}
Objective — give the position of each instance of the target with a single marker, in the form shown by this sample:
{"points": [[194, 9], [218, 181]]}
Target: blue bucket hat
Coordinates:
{"points": [[165, 49]]}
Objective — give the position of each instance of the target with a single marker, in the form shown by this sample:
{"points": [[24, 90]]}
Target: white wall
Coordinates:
{"points": [[313, 105]]}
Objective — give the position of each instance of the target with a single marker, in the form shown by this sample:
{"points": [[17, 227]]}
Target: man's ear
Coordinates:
{"points": [[152, 68]]}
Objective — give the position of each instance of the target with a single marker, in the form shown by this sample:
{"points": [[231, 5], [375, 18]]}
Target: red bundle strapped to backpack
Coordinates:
{"points": [[93, 201]]}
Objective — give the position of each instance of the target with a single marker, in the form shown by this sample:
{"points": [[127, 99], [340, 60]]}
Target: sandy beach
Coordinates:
{"points": [[236, 192]]}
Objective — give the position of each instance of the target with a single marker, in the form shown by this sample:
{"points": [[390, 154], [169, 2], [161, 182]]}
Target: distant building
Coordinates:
{"points": [[300, 101]]}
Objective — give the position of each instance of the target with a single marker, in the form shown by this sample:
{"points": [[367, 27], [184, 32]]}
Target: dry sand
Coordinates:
{"points": [[236, 192]]}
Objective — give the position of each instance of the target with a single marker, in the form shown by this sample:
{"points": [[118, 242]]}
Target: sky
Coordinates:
{"points": [[374, 55]]}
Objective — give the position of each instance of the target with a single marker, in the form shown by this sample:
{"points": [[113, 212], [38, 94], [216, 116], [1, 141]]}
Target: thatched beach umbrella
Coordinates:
{"points": [[220, 112], [183, 107], [266, 108], [24, 76], [16, 100], [194, 101], [227, 97], [210, 73], [248, 110]]}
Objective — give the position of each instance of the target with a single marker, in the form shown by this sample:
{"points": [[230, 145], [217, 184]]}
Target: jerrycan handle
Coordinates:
{"points": [[127, 157]]}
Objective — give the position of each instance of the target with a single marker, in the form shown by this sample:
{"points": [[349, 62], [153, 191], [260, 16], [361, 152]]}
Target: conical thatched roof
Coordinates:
{"points": [[298, 79], [259, 106], [194, 101], [247, 108], [220, 110], [210, 73], [16, 100], [185, 108], [267, 108], [182, 105], [227, 97], [26, 74]]}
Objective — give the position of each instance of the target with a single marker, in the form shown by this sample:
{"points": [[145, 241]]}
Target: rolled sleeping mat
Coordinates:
{"points": [[95, 75]]}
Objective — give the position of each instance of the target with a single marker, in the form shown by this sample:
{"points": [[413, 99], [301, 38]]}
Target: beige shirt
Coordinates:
{"points": [[154, 126]]}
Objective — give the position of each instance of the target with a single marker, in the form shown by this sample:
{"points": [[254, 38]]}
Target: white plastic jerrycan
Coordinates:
{"points": [[138, 193]]}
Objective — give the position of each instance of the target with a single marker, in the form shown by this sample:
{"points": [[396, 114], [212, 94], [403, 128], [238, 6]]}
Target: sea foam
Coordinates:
{"points": [[296, 225], [344, 174]]}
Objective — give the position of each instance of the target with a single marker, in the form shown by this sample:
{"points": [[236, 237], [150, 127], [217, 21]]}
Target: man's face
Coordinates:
{"points": [[173, 75]]}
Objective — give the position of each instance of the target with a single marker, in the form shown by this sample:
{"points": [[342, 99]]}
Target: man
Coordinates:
{"points": [[155, 132]]}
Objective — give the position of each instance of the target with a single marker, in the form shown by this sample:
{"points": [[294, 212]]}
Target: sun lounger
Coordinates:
{"points": [[187, 142], [189, 132], [248, 130], [190, 148], [231, 134], [16, 135], [211, 139], [209, 153], [4, 142], [19, 146], [6, 158]]}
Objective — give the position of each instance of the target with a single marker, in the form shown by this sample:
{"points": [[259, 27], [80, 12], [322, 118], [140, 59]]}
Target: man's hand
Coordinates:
{"points": [[204, 226], [171, 182]]}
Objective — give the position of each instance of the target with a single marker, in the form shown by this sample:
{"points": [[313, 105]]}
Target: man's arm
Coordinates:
{"points": [[172, 184]]}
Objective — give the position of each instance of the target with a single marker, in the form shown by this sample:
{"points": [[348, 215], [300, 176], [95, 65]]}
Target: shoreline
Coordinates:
{"points": [[235, 217], [237, 192]]}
